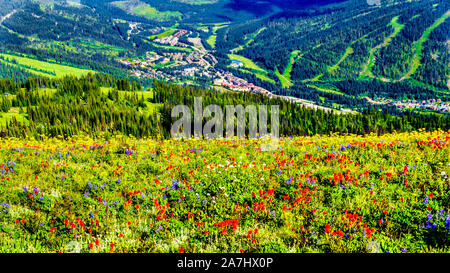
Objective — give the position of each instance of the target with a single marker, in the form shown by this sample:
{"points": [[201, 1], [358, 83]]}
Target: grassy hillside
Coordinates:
{"points": [[43, 68]]}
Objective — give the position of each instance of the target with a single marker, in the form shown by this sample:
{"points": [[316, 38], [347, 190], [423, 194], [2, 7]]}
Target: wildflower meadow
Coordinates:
{"points": [[346, 193]]}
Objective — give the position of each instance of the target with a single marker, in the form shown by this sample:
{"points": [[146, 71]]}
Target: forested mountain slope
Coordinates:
{"points": [[337, 54]]}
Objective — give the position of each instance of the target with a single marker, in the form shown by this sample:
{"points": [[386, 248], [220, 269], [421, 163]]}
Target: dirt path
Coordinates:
{"points": [[2, 19]]}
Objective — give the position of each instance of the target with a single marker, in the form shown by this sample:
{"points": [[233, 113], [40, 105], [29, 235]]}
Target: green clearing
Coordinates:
{"points": [[418, 46], [96, 46], [38, 72], [16, 33], [348, 51], [249, 64], [292, 59], [326, 90], [251, 67], [151, 107], [250, 38], [367, 71], [186, 49], [6, 118], [258, 74], [219, 26], [161, 65], [164, 34], [330, 69], [44, 68], [152, 13], [286, 83], [285, 78], [145, 10], [212, 40], [205, 29], [146, 94]]}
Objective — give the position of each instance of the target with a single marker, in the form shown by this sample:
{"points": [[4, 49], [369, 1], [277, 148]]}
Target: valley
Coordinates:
{"points": [[95, 94], [155, 43]]}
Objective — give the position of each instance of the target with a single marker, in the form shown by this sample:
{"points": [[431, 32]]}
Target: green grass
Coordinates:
{"points": [[141, 9], [259, 75], [330, 69], [14, 112], [367, 71], [247, 62], [151, 107], [284, 82], [93, 46], [285, 78], [146, 94], [97, 45], [219, 26], [212, 40], [161, 65], [418, 46], [152, 13], [251, 67], [250, 38], [205, 29], [186, 49], [37, 66], [326, 90], [348, 51], [164, 34]]}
